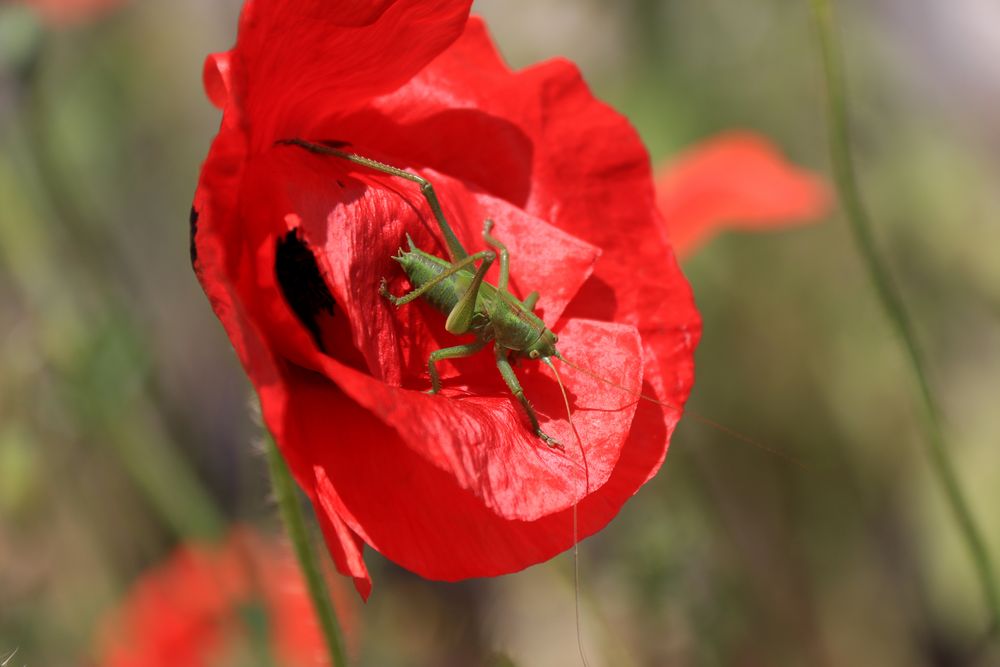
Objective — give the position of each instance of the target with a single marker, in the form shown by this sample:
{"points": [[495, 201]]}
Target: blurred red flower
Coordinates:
{"points": [[290, 247], [735, 180], [199, 609], [66, 12]]}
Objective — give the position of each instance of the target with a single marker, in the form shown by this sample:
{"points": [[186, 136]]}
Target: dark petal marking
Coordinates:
{"points": [[193, 231], [334, 143], [302, 284]]}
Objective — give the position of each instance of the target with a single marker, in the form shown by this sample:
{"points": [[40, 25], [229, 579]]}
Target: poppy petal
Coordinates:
{"points": [[736, 180], [304, 56], [344, 544]]}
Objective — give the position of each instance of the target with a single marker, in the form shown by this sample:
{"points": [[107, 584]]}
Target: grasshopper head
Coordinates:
{"points": [[545, 346]]}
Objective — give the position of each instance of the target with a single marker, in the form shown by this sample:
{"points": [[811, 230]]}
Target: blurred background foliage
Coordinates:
{"points": [[120, 394]]}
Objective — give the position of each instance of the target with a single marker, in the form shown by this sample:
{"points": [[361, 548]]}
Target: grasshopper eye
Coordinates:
{"points": [[555, 338], [533, 354]]}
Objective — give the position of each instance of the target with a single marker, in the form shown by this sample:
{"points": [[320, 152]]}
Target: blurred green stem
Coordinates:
{"points": [[892, 302], [130, 422], [291, 513], [161, 472]]}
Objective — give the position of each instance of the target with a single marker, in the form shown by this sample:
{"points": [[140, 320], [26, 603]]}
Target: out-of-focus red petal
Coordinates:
{"points": [[62, 13], [176, 614], [736, 180], [188, 609], [296, 637]]}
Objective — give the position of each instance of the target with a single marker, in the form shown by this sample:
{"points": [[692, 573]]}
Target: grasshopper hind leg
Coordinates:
{"points": [[455, 249], [500, 248], [532, 299]]}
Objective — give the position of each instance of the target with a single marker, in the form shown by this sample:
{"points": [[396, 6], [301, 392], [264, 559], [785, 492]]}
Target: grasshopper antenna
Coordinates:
{"points": [[736, 435], [576, 533]]}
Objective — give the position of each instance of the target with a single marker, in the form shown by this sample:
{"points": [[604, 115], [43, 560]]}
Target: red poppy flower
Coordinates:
{"points": [[290, 247], [199, 607], [736, 180]]}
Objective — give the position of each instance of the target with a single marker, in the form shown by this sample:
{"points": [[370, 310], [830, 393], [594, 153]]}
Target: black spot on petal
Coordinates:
{"points": [[335, 143], [302, 284], [193, 226]]}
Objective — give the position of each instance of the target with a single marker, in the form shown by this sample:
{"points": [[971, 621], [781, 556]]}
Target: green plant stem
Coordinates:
{"points": [[291, 513], [892, 302]]}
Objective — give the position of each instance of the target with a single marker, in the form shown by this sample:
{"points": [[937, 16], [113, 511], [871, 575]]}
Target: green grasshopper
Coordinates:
{"points": [[457, 288]]}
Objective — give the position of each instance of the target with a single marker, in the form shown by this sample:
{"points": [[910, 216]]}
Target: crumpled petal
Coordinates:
{"points": [[735, 180]]}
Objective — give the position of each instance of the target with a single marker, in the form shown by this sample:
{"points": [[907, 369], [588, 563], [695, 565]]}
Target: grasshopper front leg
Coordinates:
{"points": [[515, 388]]}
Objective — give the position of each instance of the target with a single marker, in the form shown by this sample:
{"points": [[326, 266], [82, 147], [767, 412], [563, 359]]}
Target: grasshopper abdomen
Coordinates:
{"points": [[423, 268]]}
